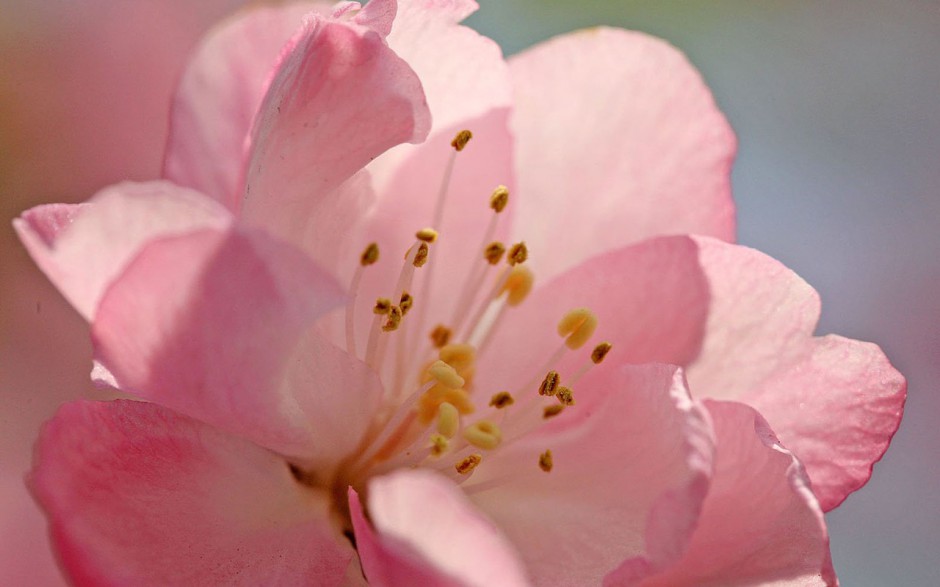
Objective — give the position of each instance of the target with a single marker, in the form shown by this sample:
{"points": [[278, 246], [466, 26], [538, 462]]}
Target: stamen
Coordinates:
{"points": [[552, 411], [599, 352], [578, 326], [439, 445], [501, 400], [493, 252], [440, 336], [421, 257], [462, 357], [446, 375], [545, 461], [406, 302], [499, 199], [549, 384], [518, 285], [468, 464], [518, 253], [483, 434], [460, 141], [565, 396], [448, 419], [382, 306], [428, 235], [368, 257], [395, 315]]}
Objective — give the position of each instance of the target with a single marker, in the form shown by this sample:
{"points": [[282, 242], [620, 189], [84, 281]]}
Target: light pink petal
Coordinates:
{"points": [[81, 248], [220, 92], [834, 402], [632, 460], [761, 524], [340, 98], [617, 139], [139, 495], [378, 15], [207, 324], [425, 532]]}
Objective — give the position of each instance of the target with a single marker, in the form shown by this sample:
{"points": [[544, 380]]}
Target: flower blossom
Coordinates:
{"points": [[405, 313]]}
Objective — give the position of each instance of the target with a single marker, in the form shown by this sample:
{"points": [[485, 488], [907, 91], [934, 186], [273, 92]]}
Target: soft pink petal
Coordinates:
{"points": [[378, 15], [834, 402], [340, 98], [81, 248], [761, 524], [138, 495], [427, 533], [617, 139], [207, 324], [219, 94], [632, 460]]}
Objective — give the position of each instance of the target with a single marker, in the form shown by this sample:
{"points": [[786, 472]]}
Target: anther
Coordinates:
{"points": [[549, 385], [518, 285], [483, 434], [599, 352], [545, 461], [501, 400], [518, 253], [499, 199], [427, 235], [494, 252], [552, 411], [446, 375], [448, 419], [382, 306], [468, 464], [577, 325], [460, 141], [462, 357], [406, 302], [421, 256], [439, 445], [370, 255], [565, 396], [394, 319], [440, 336]]}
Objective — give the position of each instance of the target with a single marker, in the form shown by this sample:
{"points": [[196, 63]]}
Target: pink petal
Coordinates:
{"points": [[358, 100], [138, 495], [632, 460], [834, 402], [618, 139], [761, 524], [207, 324], [427, 533], [378, 15], [82, 248], [219, 94]]}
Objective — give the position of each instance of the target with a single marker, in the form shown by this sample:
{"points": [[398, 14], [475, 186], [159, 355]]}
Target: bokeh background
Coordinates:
{"points": [[836, 104]]}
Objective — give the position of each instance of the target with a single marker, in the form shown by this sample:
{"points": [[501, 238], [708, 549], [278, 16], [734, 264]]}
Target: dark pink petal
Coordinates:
{"points": [[139, 495], [425, 532], [208, 324], [617, 139], [219, 94], [81, 248], [834, 402], [632, 459], [761, 524]]}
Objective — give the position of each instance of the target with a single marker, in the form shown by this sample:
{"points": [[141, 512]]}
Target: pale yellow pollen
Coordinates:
{"points": [[552, 411], [382, 306], [578, 326], [370, 255], [428, 235], [468, 464], [460, 141], [405, 303], [421, 256], [518, 285], [432, 399], [549, 384], [501, 400], [394, 319], [439, 445], [445, 375], [499, 199], [545, 461], [460, 356], [448, 419], [599, 352], [518, 253], [565, 396], [440, 336], [483, 434], [494, 252]]}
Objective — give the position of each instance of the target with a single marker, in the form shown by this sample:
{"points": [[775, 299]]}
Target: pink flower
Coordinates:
{"points": [[298, 431]]}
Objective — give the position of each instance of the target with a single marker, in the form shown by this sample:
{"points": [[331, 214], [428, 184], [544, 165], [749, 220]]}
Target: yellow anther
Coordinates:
{"points": [[394, 319], [578, 326], [518, 285], [370, 255], [518, 253], [545, 461], [429, 403], [462, 357], [446, 375], [501, 400], [483, 434], [460, 141], [499, 199], [494, 252], [439, 445], [550, 383], [406, 302], [448, 419], [427, 235], [382, 306], [599, 352], [565, 396], [421, 256], [440, 336], [552, 411], [468, 464]]}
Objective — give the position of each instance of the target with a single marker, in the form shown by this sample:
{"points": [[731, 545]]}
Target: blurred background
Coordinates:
{"points": [[836, 104]]}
